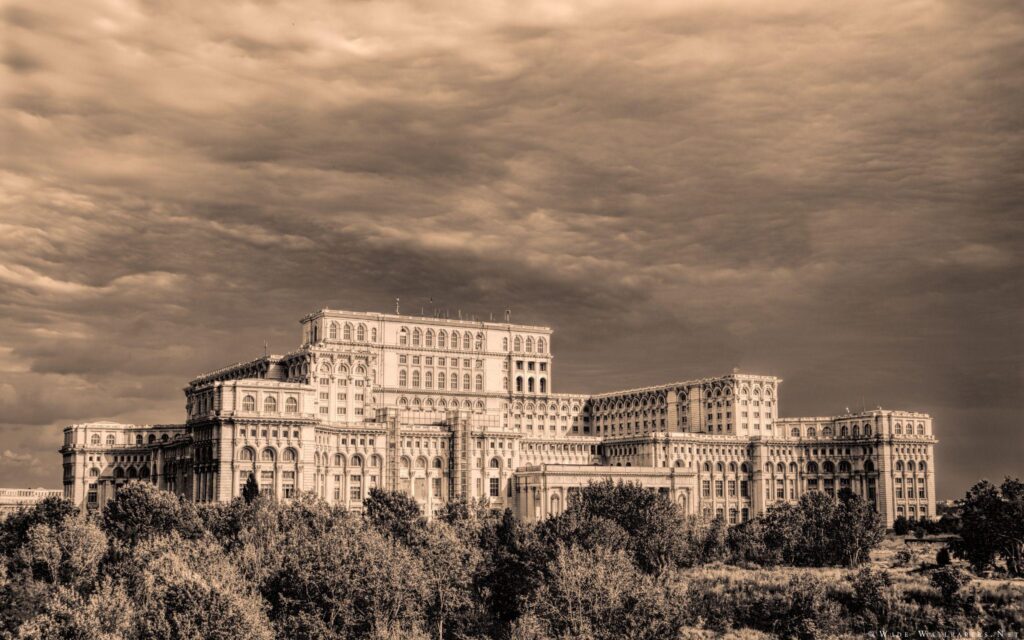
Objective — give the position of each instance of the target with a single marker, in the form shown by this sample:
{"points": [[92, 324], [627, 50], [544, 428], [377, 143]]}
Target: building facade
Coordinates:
{"points": [[12, 500], [442, 408]]}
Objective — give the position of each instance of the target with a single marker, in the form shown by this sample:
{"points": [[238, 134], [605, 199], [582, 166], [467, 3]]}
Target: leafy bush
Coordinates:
{"points": [[942, 557]]}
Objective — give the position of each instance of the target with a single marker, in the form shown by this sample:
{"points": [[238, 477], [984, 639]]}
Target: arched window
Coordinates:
{"points": [[415, 379], [845, 431], [429, 338], [781, 468], [152, 438], [248, 403], [744, 468], [795, 432], [94, 472], [357, 461], [920, 429], [707, 467], [543, 385], [95, 439], [518, 344], [827, 431], [479, 344], [869, 466], [465, 382], [922, 466], [442, 339], [829, 467], [529, 385], [361, 333], [494, 463], [844, 467], [138, 439], [291, 405], [332, 333], [911, 466], [289, 455], [455, 381], [246, 454], [440, 380], [110, 440], [428, 380], [417, 336], [403, 378], [899, 429], [541, 345], [437, 463], [792, 467], [519, 389], [719, 467], [348, 331], [119, 473], [867, 430], [479, 386], [899, 465], [267, 455], [403, 336], [467, 339], [856, 431], [270, 404], [529, 345], [812, 432], [767, 467]]}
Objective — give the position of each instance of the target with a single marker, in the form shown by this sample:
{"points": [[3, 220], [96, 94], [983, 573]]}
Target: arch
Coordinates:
{"points": [[827, 431], [922, 466], [291, 405], [812, 467], [375, 460], [332, 332], [428, 380], [405, 462], [781, 468], [94, 472], [479, 383], [812, 432], [361, 332], [421, 462], [429, 341], [436, 464], [719, 467], [529, 385], [270, 404], [247, 454], [542, 345], [417, 337], [348, 331], [110, 440], [403, 378], [118, 473], [403, 336], [856, 431], [95, 439], [529, 344], [844, 467], [869, 466], [844, 431], [268, 455], [911, 467], [466, 384], [795, 432], [898, 429], [357, 461], [829, 466], [248, 403], [373, 334], [899, 465], [792, 467], [289, 455], [744, 468], [707, 467], [867, 429], [543, 385], [339, 460], [920, 429], [518, 344], [479, 344], [151, 439], [467, 341], [479, 406], [442, 338]]}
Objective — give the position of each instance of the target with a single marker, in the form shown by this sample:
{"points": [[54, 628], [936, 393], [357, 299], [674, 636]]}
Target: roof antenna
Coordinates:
{"points": [[508, 314], [264, 348], [460, 314], [396, 306]]}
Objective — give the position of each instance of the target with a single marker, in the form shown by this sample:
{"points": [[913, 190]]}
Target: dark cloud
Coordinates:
{"points": [[826, 192]]}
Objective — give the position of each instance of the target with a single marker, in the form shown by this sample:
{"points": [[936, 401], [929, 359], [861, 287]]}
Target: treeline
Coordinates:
{"points": [[620, 562]]}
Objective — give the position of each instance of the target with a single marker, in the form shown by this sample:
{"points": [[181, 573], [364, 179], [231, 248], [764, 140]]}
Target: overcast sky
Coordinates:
{"points": [[827, 192]]}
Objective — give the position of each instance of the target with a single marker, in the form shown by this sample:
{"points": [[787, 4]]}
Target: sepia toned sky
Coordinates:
{"points": [[828, 192]]}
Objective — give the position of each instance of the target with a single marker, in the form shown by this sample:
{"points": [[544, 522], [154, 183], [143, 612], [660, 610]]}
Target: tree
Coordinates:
{"points": [[901, 526], [251, 490], [992, 526], [393, 513], [857, 530], [14, 529], [449, 565], [140, 511], [942, 557]]}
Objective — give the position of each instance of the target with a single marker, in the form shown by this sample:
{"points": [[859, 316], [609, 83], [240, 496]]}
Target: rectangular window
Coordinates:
{"points": [[436, 487], [494, 488], [706, 488], [341, 411], [342, 397], [718, 488], [743, 489], [324, 395], [355, 485], [732, 487], [323, 410]]}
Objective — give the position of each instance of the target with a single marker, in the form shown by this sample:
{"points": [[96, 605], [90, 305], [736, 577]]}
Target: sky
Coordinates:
{"points": [[829, 192]]}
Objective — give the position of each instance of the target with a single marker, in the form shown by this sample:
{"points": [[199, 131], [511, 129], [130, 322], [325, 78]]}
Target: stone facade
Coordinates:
{"points": [[13, 499], [444, 408]]}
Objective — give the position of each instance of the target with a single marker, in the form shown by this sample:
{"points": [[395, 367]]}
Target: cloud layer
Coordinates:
{"points": [[830, 192]]}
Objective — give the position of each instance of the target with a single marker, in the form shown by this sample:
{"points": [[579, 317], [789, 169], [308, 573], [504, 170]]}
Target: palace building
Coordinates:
{"points": [[442, 408]]}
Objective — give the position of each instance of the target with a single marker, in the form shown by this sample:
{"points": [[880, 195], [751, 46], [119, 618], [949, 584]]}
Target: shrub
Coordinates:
{"points": [[901, 526], [942, 557], [903, 558], [949, 581]]}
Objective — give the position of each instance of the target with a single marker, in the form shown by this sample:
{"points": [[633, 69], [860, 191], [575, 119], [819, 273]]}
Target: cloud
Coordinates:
{"points": [[826, 192]]}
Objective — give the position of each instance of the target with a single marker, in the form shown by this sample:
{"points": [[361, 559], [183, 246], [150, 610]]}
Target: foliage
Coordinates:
{"points": [[901, 526], [140, 512], [251, 490], [992, 526], [393, 513], [942, 558]]}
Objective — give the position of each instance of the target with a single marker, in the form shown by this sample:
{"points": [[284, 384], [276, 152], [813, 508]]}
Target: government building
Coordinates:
{"points": [[442, 409]]}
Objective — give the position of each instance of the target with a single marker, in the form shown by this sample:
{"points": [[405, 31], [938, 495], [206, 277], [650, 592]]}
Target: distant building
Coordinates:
{"points": [[443, 408], [13, 499]]}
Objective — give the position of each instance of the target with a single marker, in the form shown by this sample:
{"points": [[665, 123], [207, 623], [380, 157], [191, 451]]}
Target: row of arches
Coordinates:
{"points": [[291, 404], [519, 345], [350, 332], [426, 380], [533, 385], [267, 454], [343, 369], [441, 404], [441, 339]]}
